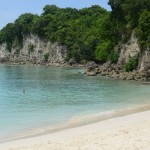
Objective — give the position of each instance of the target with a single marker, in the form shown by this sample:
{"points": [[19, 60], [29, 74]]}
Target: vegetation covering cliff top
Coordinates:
{"points": [[89, 33]]}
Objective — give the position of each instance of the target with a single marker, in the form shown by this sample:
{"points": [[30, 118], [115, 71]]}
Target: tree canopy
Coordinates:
{"points": [[89, 33]]}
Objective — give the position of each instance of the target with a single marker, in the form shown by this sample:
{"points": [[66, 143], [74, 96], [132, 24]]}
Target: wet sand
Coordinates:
{"points": [[128, 131]]}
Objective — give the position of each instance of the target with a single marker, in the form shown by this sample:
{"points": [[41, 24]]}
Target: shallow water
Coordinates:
{"points": [[35, 96]]}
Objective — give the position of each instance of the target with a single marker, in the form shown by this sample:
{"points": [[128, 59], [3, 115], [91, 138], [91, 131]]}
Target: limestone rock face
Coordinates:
{"points": [[130, 49], [144, 61], [4, 55], [35, 50]]}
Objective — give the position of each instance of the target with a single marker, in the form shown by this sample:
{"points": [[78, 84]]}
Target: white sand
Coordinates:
{"points": [[131, 132]]}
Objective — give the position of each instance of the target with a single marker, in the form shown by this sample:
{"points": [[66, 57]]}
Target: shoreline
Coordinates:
{"points": [[45, 64], [91, 69], [77, 121], [84, 67], [117, 71], [54, 140]]}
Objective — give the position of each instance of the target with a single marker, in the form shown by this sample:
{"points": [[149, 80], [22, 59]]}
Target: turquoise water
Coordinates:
{"points": [[35, 96]]}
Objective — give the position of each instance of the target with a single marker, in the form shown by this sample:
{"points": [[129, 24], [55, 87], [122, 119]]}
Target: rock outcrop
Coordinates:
{"points": [[34, 50], [116, 71], [129, 50], [132, 49], [144, 61]]}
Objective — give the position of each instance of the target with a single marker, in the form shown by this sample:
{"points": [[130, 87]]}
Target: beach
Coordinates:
{"points": [[130, 132], [75, 76]]}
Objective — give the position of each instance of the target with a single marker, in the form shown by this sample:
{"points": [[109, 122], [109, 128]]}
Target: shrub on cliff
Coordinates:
{"points": [[46, 56], [113, 57], [132, 64]]}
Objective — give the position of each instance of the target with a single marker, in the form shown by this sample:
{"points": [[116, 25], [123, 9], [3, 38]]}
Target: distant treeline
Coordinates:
{"points": [[89, 33]]}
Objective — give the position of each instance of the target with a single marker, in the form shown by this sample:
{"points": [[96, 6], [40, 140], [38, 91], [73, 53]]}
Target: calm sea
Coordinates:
{"points": [[36, 96]]}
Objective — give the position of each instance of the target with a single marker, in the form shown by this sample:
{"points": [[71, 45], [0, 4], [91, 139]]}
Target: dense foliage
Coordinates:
{"points": [[89, 33], [132, 64], [129, 15], [144, 30]]}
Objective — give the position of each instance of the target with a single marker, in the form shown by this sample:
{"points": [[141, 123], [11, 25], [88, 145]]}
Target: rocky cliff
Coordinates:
{"points": [[132, 49], [34, 50], [40, 51], [129, 50]]}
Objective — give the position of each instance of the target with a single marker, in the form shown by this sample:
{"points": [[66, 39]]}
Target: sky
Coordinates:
{"points": [[12, 9]]}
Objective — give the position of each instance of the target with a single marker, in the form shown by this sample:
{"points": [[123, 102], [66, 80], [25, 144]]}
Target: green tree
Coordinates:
{"points": [[8, 35], [144, 30], [24, 24], [103, 51], [50, 9]]}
